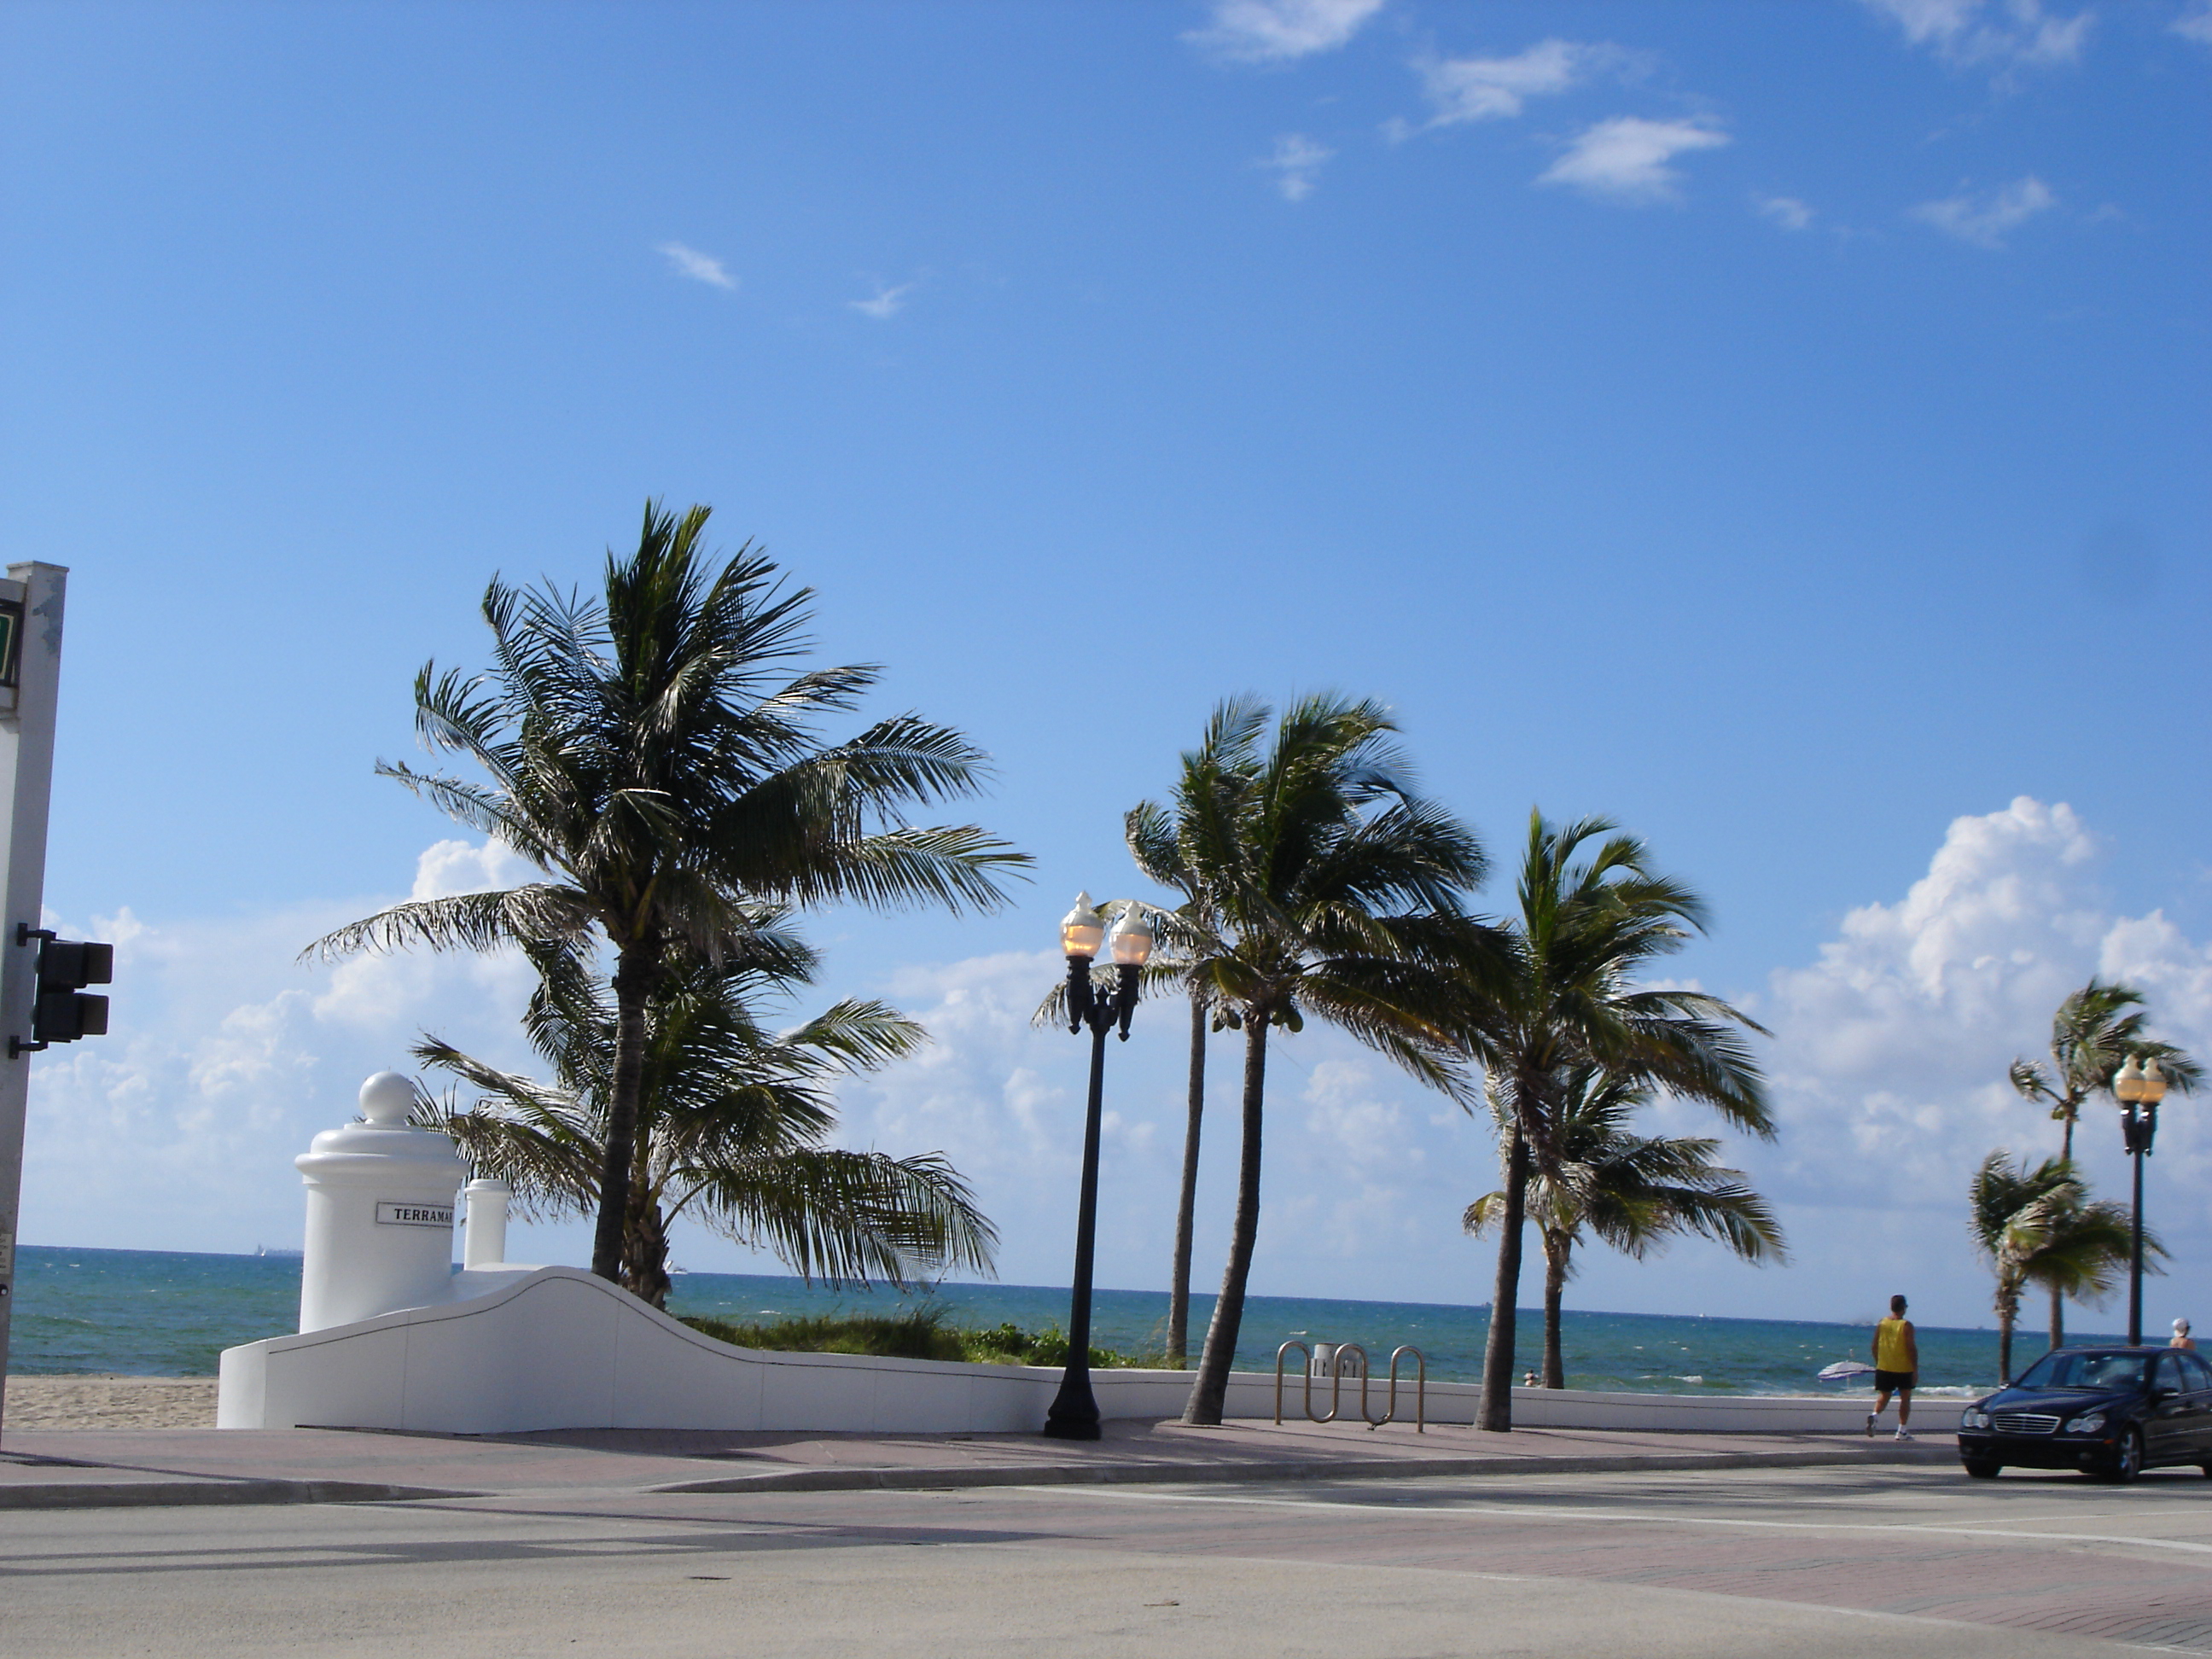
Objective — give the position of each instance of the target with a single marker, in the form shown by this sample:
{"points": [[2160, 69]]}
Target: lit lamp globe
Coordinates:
{"points": [[1132, 941], [1082, 930], [2139, 1082]]}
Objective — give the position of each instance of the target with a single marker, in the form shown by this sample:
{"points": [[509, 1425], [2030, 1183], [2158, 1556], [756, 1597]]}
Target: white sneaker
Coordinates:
{"points": [[1903, 1434], [1869, 1425]]}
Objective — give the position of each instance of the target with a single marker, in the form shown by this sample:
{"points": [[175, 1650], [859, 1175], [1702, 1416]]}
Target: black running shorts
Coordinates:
{"points": [[1893, 1381]]}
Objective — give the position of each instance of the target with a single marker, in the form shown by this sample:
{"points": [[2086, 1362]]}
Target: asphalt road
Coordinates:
{"points": [[1773, 1562]]}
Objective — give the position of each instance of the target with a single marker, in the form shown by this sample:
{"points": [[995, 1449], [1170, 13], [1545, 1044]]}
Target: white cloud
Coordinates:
{"points": [[2010, 33], [1890, 1051], [1496, 88], [226, 1056], [2195, 23], [699, 267], [1281, 30], [449, 867], [1786, 211], [1296, 163], [1986, 220], [886, 304], [1624, 159]]}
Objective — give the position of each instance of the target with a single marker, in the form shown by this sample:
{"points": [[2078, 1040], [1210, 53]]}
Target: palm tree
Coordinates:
{"points": [[730, 1123], [1335, 891], [1633, 1192], [2092, 1035], [653, 755], [1566, 999], [2039, 1227], [1158, 839]]}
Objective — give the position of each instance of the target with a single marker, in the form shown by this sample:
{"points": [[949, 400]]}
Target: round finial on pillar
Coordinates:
{"points": [[387, 1099]]}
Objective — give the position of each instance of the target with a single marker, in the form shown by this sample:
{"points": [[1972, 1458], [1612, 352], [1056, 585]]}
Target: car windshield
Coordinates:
{"points": [[2085, 1370]]}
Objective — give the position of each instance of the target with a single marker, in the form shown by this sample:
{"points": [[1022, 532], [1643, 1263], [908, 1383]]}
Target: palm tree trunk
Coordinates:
{"points": [[1211, 1390], [2057, 1298], [1497, 1409], [637, 969], [1556, 1245], [2004, 1346], [1179, 1278], [645, 1251]]}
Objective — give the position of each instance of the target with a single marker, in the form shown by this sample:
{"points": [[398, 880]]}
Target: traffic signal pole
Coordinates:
{"points": [[30, 681]]}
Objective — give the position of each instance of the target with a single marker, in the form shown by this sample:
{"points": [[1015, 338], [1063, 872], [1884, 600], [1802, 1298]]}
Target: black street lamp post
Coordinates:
{"points": [[1074, 1413], [2140, 1085]]}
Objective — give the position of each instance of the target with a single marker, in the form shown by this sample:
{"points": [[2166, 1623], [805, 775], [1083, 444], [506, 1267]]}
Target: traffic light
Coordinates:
{"points": [[60, 1009]]}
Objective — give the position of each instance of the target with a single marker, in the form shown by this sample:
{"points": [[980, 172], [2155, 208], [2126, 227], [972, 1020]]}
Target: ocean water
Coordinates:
{"points": [[168, 1313]]}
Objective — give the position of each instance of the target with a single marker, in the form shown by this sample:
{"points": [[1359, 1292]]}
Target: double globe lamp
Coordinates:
{"points": [[1074, 1413], [2140, 1087]]}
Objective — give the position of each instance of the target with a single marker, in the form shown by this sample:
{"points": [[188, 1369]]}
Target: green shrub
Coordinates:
{"points": [[918, 1334]]}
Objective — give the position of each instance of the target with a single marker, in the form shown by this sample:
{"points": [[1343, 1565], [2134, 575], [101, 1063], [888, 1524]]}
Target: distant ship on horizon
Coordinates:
{"points": [[289, 1255]]}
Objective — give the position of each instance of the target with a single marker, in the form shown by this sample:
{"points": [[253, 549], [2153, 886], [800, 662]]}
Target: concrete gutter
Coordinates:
{"points": [[1249, 1474], [158, 1490]]}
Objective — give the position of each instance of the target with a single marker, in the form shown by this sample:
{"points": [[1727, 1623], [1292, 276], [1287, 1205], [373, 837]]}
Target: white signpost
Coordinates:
{"points": [[30, 602]]}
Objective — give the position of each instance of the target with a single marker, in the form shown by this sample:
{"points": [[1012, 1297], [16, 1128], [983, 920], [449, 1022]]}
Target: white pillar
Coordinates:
{"points": [[484, 1237], [379, 1211]]}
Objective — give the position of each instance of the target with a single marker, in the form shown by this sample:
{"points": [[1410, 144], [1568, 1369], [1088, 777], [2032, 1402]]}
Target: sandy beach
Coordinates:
{"points": [[111, 1402]]}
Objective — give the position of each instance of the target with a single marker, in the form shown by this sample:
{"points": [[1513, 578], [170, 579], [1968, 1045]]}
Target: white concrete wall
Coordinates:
{"points": [[555, 1348]]}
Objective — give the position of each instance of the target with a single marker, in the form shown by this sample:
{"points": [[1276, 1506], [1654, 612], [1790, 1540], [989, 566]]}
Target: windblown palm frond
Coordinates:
{"points": [[2037, 1225], [730, 1123], [2092, 1035]]}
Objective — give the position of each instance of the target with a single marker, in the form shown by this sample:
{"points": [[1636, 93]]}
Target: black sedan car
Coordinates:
{"points": [[2111, 1413]]}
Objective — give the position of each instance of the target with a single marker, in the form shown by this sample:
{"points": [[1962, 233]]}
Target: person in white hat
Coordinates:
{"points": [[2181, 1336]]}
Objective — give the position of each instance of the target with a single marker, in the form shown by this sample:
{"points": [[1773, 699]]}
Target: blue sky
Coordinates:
{"points": [[1779, 428]]}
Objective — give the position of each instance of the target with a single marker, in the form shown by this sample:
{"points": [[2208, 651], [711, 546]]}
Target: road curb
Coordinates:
{"points": [[1396, 1468]]}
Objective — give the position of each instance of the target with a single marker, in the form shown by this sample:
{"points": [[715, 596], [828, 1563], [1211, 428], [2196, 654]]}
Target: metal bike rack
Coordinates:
{"points": [[1420, 1391], [1338, 1368]]}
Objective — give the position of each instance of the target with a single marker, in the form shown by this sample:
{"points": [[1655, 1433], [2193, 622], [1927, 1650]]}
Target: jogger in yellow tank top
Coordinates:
{"points": [[1896, 1367]]}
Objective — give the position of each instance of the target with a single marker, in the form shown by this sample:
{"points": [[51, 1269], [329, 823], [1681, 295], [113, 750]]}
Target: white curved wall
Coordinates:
{"points": [[557, 1348]]}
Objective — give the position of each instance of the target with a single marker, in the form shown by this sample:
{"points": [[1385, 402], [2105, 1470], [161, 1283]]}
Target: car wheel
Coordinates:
{"points": [[1981, 1469], [2127, 1460]]}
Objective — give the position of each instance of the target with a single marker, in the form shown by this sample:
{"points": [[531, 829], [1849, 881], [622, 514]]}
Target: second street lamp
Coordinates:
{"points": [[1074, 1413], [2140, 1085]]}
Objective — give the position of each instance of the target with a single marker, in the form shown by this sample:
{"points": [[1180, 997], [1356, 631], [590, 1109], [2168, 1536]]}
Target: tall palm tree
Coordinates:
{"points": [[1567, 997], [2092, 1035], [1160, 840], [731, 1119], [2039, 1227], [654, 755], [1335, 889], [1633, 1192]]}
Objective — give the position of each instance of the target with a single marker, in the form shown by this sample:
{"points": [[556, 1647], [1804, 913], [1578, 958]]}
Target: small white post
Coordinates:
{"points": [[483, 1237]]}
